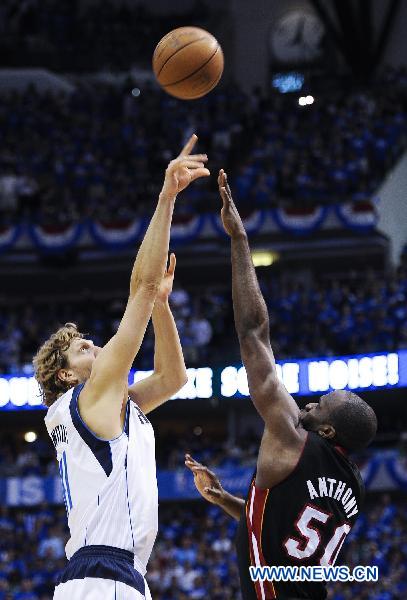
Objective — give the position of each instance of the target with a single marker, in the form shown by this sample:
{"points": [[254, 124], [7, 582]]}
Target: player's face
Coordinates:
{"points": [[315, 413], [319, 413], [81, 356]]}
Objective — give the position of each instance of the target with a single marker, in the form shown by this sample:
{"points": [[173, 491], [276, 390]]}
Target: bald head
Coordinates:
{"points": [[342, 417]]}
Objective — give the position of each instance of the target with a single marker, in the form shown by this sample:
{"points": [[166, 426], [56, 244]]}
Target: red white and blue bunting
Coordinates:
{"points": [[300, 221], [187, 228], [358, 216], [120, 235], [8, 236], [56, 238]]}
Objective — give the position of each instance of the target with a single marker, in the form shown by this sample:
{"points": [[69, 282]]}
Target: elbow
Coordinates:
{"points": [[259, 329], [183, 380], [180, 380], [148, 286], [174, 382]]}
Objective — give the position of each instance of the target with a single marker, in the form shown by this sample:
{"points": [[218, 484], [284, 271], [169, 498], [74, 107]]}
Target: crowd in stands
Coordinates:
{"points": [[101, 152], [74, 36], [363, 312], [194, 556]]}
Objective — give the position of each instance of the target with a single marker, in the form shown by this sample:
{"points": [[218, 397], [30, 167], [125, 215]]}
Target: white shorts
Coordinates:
{"points": [[101, 572]]}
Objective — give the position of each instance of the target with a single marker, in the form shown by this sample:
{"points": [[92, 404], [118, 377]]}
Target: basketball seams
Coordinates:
{"points": [[167, 85], [214, 84], [176, 52]]}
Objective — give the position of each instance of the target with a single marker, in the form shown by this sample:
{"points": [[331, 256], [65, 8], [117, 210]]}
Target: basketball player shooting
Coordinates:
{"points": [[103, 440], [305, 494]]}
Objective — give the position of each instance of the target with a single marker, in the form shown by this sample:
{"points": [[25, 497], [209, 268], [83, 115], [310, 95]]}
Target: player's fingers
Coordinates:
{"points": [[173, 262], [225, 197], [225, 184], [225, 177], [190, 164], [189, 457], [220, 177], [212, 492], [191, 468], [201, 157], [204, 470], [201, 469], [189, 145], [200, 172], [191, 462]]}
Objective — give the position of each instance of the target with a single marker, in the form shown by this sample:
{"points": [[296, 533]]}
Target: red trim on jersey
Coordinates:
{"points": [[341, 450], [255, 506]]}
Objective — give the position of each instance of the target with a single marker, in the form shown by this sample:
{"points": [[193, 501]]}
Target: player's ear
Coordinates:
{"points": [[65, 375], [327, 431]]}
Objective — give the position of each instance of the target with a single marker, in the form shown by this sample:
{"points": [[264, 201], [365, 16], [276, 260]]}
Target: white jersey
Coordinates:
{"points": [[110, 487]]}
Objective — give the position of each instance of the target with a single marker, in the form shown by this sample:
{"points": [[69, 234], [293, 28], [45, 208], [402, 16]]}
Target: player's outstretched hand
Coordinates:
{"points": [[231, 220], [206, 482], [185, 168]]}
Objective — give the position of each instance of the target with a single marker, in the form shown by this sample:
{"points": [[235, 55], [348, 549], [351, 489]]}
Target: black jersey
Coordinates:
{"points": [[303, 520]]}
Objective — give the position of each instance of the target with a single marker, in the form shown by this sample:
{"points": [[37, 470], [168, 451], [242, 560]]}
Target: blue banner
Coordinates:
{"points": [[178, 484], [385, 470]]}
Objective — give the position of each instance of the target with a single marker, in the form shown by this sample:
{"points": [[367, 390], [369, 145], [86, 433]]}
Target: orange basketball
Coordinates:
{"points": [[188, 62]]}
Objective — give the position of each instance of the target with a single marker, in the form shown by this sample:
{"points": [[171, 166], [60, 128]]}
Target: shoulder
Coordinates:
{"points": [[279, 459], [61, 406]]}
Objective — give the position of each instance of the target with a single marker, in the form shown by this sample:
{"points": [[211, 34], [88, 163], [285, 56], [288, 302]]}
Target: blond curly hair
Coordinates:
{"points": [[50, 358]]}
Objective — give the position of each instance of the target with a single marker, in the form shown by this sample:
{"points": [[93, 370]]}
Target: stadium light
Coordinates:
{"points": [[304, 100], [264, 258], [30, 436]]}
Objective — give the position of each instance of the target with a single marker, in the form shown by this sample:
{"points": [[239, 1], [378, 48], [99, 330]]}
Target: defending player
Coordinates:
{"points": [[305, 494], [104, 442]]}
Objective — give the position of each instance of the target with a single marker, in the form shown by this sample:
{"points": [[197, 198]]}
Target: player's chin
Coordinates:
{"points": [[305, 420]]}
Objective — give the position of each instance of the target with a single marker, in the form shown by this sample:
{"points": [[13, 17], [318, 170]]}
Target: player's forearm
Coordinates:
{"points": [[168, 356], [151, 260], [249, 308], [232, 505]]}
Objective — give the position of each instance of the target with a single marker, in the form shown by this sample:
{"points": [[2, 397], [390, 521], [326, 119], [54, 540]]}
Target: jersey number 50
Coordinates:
{"points": [[306, 547]]}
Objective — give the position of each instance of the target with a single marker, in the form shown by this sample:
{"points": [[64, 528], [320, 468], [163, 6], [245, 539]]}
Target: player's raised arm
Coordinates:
{"points": [[271, 399], [210, 488], [108, 379], [169, 366]]}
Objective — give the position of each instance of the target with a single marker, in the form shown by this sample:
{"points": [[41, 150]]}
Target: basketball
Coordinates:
{"points": [[188, 62]]}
